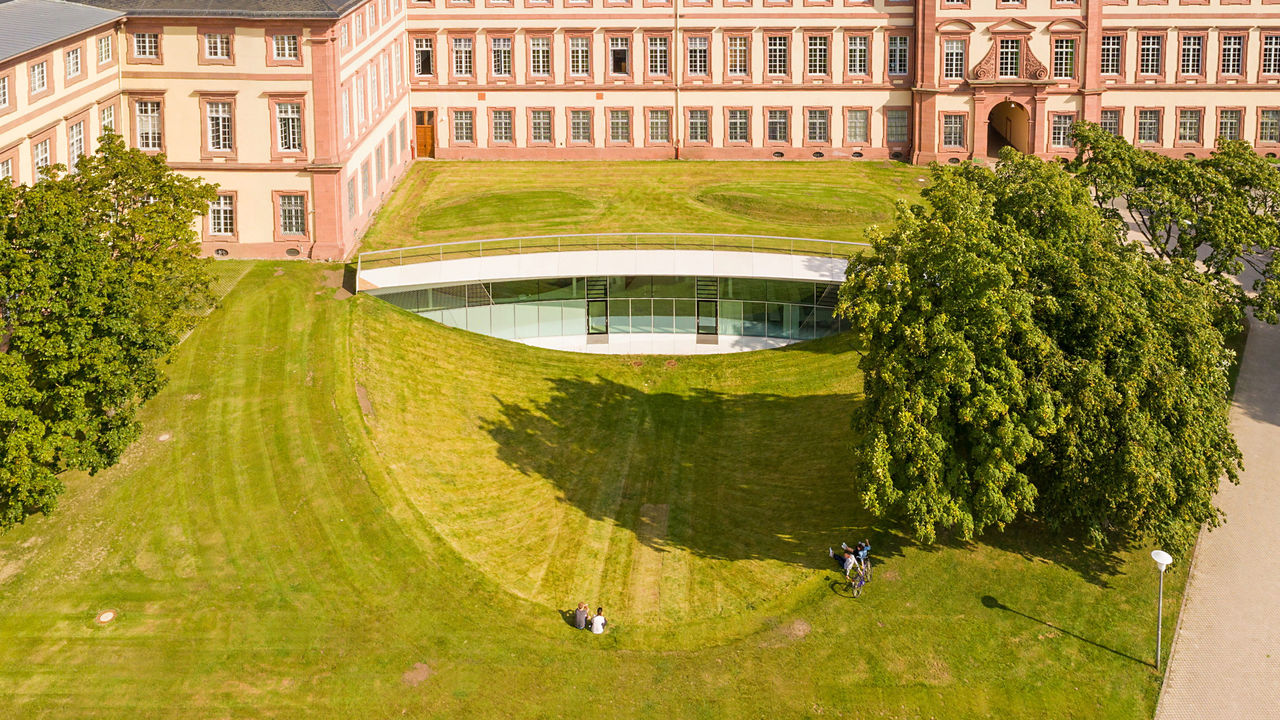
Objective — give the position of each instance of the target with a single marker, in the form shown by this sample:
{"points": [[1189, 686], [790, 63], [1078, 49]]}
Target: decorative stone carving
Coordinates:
{"points": [[1032, 68]]}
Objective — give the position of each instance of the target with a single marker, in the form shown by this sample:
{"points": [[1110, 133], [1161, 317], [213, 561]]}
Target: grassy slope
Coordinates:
{"points": [[447, 201], [265, 561]]}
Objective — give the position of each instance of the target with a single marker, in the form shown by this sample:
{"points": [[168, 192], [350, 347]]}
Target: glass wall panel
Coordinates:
{"points": [[550, 318], [514, 291], [743, 289], [776, 319], [502, 319], [664, 320], [824, 322], [455, 317], [619, 316], [478, 319], [437, 315], [673, 287], [594, 322], [526, 320], [640, 286], [575, 316], [790, 292], [686, 316], [730, 317], [562, 289], [641, 316], [754, 319], [802, 322], [706, 317]]}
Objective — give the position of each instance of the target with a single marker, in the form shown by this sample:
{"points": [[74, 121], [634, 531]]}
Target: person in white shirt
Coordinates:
{"points": [[598, 622]]}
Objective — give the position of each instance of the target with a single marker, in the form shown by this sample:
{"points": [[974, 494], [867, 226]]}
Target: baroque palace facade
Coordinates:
{"points": [[306, 112]]}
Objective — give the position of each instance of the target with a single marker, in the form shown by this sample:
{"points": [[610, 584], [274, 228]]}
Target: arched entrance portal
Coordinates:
{"points": [[1009, 124]]}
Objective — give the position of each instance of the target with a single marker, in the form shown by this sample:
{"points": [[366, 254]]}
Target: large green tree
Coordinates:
{"points": [[1022, 358], [99, 276], [1219, 216]]}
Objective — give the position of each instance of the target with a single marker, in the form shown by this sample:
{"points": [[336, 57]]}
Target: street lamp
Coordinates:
{"points": [[1163, 560]]}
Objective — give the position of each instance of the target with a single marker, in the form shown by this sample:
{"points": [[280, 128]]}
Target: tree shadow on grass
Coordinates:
{"points": [[728, 476], [990, 602]]}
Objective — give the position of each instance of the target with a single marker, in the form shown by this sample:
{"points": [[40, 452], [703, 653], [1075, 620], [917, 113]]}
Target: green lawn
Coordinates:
{"points": [[442, 201], [331, 491]]}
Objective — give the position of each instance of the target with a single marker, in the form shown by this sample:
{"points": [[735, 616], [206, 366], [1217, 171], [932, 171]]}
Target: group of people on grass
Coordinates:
{"points": [[596, 622], [858, 556]]}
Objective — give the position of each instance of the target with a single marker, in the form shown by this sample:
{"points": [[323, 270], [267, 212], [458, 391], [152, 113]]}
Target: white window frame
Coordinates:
{"points": [[659, 63], [818, 125], [500, 56], [289, 126], [540, 127], [1232, 51], [953, 59], [579, 56], [857, 126], [540, 56], [859, 51], [217, 46], [580, 126], [464, 126], [105, 50], [284, 47], [699, 55], [660, 126], [424, 59], [1010, 58], [293, 214], [72, 62], [779, 50], [1060, 130], [222, 216], [1111, 59], [463, 57], [899, 55], [150, 131], [1064, 58], [219, 125], [738, 127], [1150, 54], [700, 125], [620, 125], [1191, 57], [953, 131], [40, 77], [40, 157], [503, 126], [1190, 131], [778, 125], [146, 45], [739, 50], [819, 54]]}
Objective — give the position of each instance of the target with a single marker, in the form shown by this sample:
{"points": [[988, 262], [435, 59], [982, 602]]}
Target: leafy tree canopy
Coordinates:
{"points": [[1220, 215], [99, 277], [1022, 358]]}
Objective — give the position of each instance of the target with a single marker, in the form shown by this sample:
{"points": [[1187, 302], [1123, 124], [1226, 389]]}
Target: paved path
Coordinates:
{"points": [[1226, 655]]}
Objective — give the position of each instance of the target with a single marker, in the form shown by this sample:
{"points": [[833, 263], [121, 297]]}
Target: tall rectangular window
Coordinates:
{"points": [[698, 55], [146, 45], [897, 130], [620, 125], [293, 214], [1269, 126], [285, 47], [351, 197], [6, 169], [898, 54], [540, 56], [777, 125], [464, 126], [1192, 55], [107, 119], [1229, 124], [579, 56], [40, 154], [463, 63], [502, 131], [289, 126], [858, 54], [1064, 58], [659, 126], [72, 62], [619, 55], [1270, 54], [738, 53], [104, 49], [4, 91], [501, 51], [344, 37], [219, 121], [819, 55], [540, 125], [217, 46], [1010, 57], [1110, 61], [580, 125], [953, 131], [739, 129], [222, 216], [148, 113], [75, 144], [699, 125], [361, 101], [346, 114], [953, 59], [1110, 121], [1189, 126], [1232, 54], [777, 57], [39, 77], [1148, 126], [395, 63], [1060, 130], [856, 131], [366, 187], [1151, 55], [818, 126], [424, 59], [658, 56]]}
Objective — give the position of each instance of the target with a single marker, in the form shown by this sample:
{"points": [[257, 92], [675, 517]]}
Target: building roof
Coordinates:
{"points": [[257, 9], [26, 25]]}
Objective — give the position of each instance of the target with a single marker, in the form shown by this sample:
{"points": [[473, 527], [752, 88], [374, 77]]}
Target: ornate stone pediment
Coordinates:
{"points": [[956, 26], [1031, 67], [1010, 26]]}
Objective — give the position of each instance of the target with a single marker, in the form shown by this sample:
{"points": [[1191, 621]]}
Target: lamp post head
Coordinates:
{"points": [[1162, 558]]}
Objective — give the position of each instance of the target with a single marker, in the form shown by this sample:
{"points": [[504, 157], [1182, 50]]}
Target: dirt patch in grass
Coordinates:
{"points": [[791, 632], [362, 397], [416, 675], [646, 572]]}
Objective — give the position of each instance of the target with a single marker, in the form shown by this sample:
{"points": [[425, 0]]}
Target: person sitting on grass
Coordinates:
{"points": [[846, 561], [580, 616], [598, 622]]}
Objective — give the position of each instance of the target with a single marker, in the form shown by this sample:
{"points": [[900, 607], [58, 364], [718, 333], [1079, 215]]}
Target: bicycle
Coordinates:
{"points": [[857, 579]]}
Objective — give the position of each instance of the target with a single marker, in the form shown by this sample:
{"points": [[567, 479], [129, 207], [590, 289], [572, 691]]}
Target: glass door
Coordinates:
{"points": [[707, 317]]}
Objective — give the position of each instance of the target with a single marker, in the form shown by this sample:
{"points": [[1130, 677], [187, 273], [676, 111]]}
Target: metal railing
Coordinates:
{"points": [[491, 247]]}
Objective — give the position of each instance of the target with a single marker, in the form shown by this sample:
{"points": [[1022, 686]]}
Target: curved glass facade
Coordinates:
{"points": [[520, 309]]}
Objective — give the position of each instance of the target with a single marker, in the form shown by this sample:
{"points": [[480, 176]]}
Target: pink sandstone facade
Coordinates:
{"points": [[306, 113]]}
